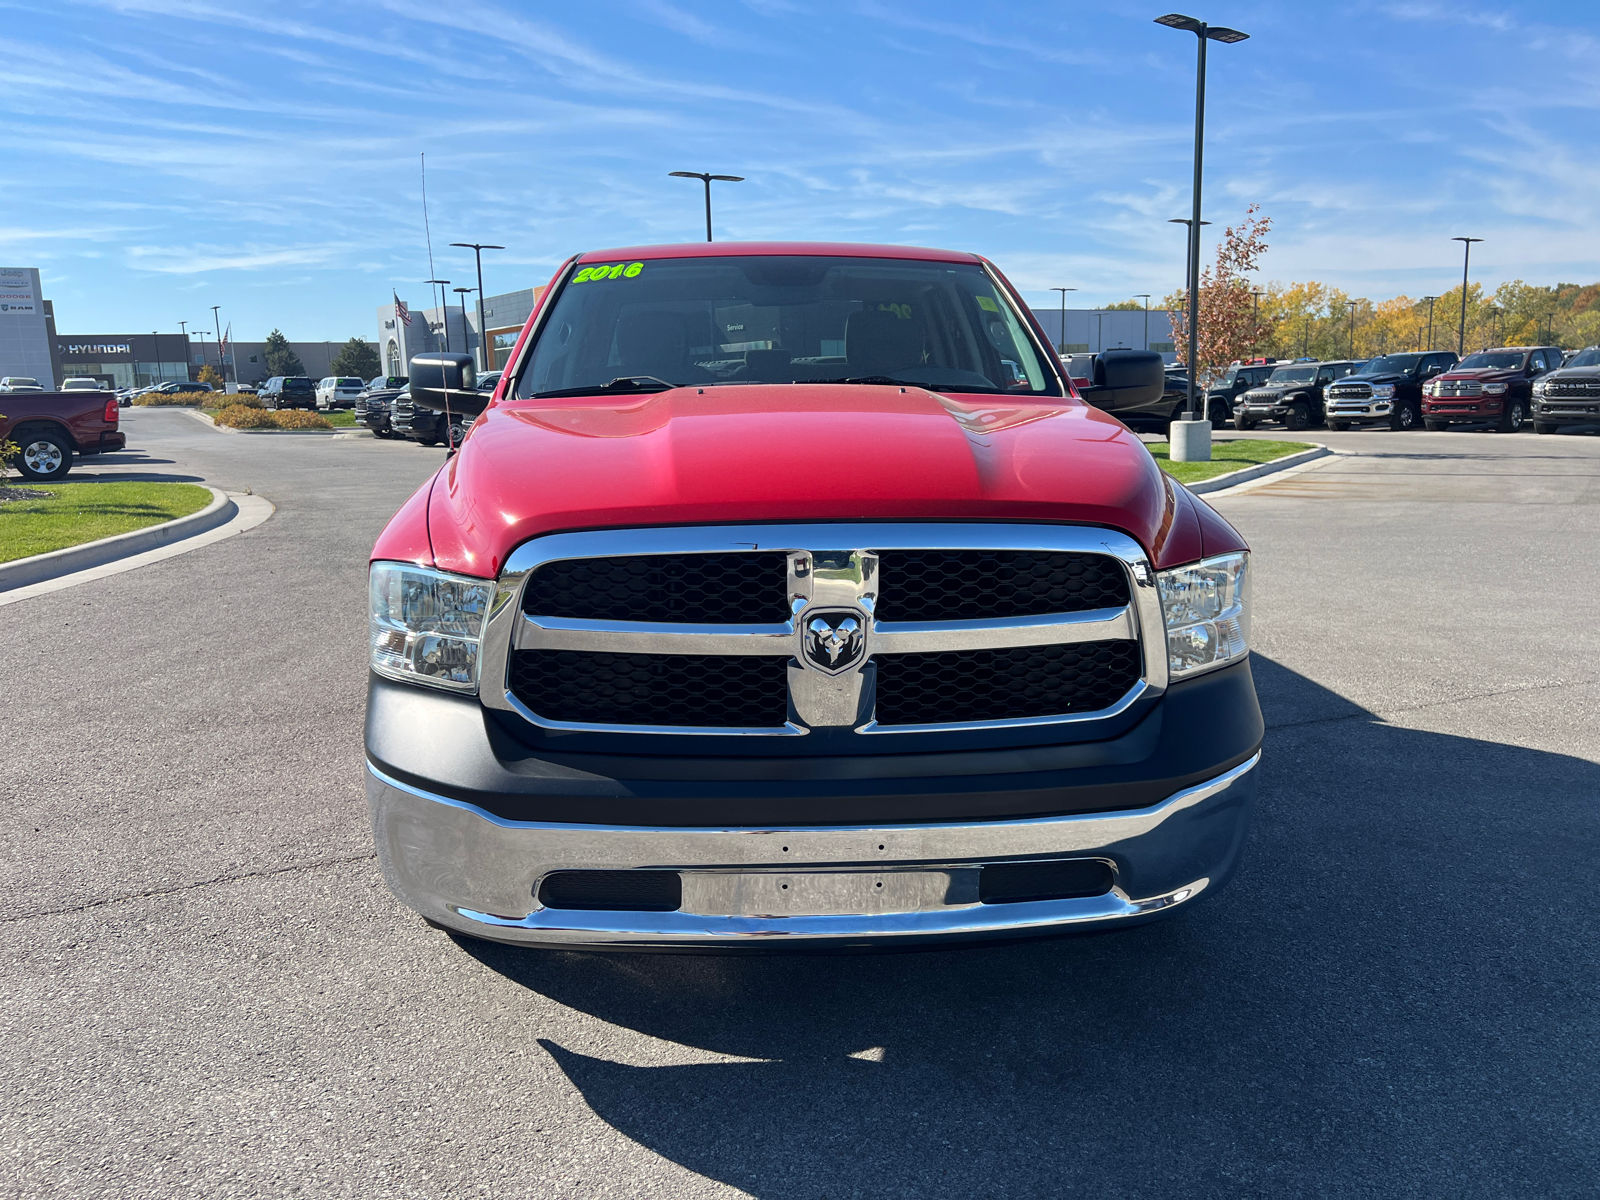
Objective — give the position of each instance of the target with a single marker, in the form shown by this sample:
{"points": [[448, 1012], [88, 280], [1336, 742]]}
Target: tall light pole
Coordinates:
{"points": [[1181, 450], [485, 362], [221, 367], [202, 353], [444, 305], [1061, 345], [1145, 296], [1255, 321], [706, 179], [1466, 260], [463, 293], [1430, 300], [1188, 280]]}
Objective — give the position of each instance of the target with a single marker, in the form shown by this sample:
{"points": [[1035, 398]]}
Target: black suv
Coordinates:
{"points": [[1292, 394], [1387, 390], [1235, 381], [289, 391], [1569, 395]]}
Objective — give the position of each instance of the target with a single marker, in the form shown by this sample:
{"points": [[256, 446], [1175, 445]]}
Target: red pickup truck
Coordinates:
{"points": [[790, 594], [48, 427]]}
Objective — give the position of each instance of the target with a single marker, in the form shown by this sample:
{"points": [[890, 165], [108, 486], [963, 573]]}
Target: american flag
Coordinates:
{"points": [[227, 336], [400, 309]]}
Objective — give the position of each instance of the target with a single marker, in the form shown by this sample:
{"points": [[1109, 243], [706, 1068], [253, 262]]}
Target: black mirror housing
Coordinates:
{"points": [[1126, 379], [446, 383]]}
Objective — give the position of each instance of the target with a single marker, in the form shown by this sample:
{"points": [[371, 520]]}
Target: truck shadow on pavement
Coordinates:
{"points": [[1395, 995]]}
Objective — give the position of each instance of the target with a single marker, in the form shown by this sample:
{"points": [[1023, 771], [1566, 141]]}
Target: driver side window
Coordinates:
{"points": [[1325, 375], [1536, 365]]}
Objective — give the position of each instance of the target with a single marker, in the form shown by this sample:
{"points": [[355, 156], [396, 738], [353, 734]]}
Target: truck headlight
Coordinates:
{"points": [[1207, 608], [1383, 391], [1494, 389], [426, 625], [1428, 388], [1538, 386]]}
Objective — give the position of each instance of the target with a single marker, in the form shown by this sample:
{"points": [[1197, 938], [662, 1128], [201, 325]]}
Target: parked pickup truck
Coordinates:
{"points": [[1492, 386], [48, 427], [1569, 395], [1292, 394], [789, 594], [1386, 391]]}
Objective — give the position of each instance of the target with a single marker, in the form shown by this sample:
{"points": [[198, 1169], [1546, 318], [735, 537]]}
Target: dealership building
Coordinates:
{"points": [[435, 330]]}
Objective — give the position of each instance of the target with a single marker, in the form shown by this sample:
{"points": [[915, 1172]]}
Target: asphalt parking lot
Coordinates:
{"points": [[209, 992]]}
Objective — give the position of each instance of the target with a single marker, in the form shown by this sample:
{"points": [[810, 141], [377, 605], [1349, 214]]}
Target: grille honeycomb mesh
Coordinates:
{"points": [[956, 585], [721, 691], [716, 589], [990, 685]]}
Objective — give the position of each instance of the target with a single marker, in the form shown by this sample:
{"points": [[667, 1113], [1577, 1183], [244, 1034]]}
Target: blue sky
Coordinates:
{"points": [[163, 156]]}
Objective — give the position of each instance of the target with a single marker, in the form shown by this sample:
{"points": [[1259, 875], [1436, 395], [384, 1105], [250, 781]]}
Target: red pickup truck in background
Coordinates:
{"points": [[48, 427]]}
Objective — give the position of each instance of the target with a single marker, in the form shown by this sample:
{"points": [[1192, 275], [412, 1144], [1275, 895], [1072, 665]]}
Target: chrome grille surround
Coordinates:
{"points": [[1446, 389], [832, 568], [1349, 391]]}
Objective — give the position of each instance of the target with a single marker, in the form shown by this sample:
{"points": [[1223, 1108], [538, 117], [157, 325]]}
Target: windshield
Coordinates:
{"points": [[1393, 364], [1588, 358], [782, 319], [1294, 374], [1503, 359]]}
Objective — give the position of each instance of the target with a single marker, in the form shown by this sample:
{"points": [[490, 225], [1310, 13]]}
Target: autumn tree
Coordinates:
{"points": [[209, 374], [1230, 326]]}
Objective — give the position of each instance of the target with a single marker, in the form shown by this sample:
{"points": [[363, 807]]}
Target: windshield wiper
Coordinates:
{"points": [[622, 383]]}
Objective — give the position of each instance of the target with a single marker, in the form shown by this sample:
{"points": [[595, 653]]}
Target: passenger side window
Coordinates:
{"points": [[1536, 363], [1325, 375]]}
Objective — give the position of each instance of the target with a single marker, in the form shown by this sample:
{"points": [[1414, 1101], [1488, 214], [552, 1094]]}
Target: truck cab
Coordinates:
{"points": [[791, 595], [1292, 394]]}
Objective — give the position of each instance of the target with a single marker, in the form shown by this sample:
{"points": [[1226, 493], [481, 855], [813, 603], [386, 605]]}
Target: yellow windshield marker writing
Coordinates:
{"points": [[987, 304], [608, 271]]}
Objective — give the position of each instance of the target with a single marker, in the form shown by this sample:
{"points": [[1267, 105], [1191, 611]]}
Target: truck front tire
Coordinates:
{"points": [[1511, 420]]}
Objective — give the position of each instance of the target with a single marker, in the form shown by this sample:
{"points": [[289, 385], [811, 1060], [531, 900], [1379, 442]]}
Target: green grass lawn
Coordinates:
{"points": [[82, 512], [1225, 456]]}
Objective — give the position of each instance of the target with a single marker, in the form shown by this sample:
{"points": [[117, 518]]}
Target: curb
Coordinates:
{"points": [[355, 435], [39, 567], [1218, 483]]}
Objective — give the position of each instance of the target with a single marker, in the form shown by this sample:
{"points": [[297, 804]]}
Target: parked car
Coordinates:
{"points": [[249, 389], [425, 426], [339, 391], [1386, 391], [487, 383], [1569, 395], [289, 391], [1292, 394], [49, 427], [20, 383], [896, 641], [1489, 387], [372, 406], [182, 385], [1233, 383], [81, 383]]}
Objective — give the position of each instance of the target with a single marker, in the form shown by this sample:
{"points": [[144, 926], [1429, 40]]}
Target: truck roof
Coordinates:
{"points": [[742, 249]]}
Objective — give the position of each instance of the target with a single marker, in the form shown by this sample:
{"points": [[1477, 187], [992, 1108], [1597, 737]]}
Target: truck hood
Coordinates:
{"points": [[1384, 377], [817, 452], [1480, 373]]}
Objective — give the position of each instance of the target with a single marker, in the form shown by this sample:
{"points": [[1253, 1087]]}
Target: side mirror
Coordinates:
{"points": [[446, 382], [1125, 379]]}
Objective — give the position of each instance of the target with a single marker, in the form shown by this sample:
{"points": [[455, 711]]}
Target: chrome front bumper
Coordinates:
{"points": [[479, 874]]}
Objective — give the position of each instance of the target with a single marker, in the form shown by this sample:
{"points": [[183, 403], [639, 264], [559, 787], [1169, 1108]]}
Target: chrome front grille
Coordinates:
{"points": [[778, 630], [1447, 389], [1349, 391]]}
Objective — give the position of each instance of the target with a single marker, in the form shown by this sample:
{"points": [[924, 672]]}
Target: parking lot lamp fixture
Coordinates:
{"points": [[1430, 300], [706, 179], [484, 349], [444, 305], [1466, 261], [1061, 345], [1203, 33]]}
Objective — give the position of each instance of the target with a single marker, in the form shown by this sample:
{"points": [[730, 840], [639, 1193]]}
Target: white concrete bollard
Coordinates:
{"points": [[1190, 441]]}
